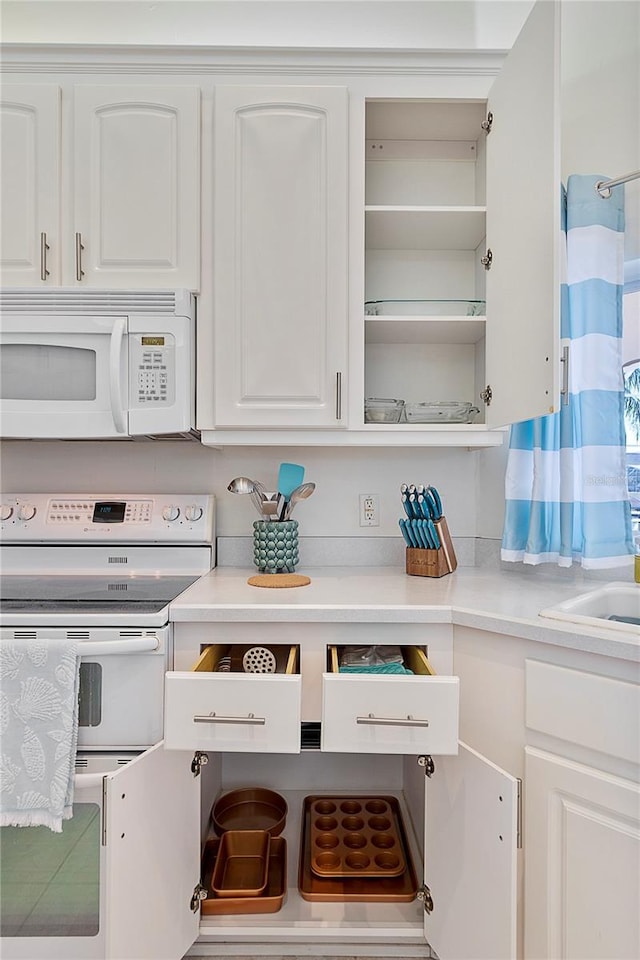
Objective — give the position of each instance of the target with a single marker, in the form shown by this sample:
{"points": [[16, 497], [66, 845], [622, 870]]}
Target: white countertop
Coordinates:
{"points": [[486, 599]]}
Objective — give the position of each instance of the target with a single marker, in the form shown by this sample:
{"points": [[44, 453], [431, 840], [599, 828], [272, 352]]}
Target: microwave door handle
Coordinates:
{"points": [[101, 648], [115, 374]]}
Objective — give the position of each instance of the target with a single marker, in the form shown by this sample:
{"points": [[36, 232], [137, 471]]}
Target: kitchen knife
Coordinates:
{"points": [[437, 502], [412, 534], [407, 538], [406, 505]]}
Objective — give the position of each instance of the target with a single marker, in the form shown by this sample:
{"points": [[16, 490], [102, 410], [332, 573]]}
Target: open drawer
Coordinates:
{"points": [[389, 713], [222, 705]]}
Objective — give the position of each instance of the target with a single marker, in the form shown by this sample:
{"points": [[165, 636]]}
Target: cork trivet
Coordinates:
{"points": [[279, 580]]}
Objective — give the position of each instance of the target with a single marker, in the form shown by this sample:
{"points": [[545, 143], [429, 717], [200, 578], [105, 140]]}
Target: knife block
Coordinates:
{"points": [[433, 563]]}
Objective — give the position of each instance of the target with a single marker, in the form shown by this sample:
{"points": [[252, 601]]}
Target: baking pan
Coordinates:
{"points": [[250, 808], [381, 889], [242, 864], [270, 901], [355, 837]]}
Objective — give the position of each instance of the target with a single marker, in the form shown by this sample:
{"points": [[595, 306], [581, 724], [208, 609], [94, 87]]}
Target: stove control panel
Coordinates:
{"points": [[91, 518]]}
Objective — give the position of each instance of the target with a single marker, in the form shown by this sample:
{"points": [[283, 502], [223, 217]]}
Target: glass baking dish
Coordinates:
{"points": [[440, 411], [383, 410], [425, 308]]}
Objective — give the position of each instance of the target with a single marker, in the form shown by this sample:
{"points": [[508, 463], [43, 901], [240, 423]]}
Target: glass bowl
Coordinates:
{"points": [[382, 410]]}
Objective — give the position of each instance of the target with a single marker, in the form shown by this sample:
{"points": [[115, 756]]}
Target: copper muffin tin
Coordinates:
{"points": [[355, 837], [250, 808], [380, 887], [269, 901], [242, 865]]}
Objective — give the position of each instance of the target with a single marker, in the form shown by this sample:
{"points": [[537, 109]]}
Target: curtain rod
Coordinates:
{"points": [[603, 187]]}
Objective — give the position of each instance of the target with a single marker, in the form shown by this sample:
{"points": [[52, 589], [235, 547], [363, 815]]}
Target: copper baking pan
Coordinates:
{"points": [[242, 864], [270, 901], [355, 837], [251, 808], [381, 888]]}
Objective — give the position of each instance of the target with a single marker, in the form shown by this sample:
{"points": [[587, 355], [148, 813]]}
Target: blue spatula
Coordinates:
{"points": [[290, 476]]}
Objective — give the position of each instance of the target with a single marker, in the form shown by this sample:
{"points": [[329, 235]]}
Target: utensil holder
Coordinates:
{"points": [[433, 563], [275, 545]]}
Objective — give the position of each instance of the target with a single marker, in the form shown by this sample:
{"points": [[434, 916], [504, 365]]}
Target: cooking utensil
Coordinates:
{"points": [[250, 808], [290, 476], [437, 502], [300, 493], [242, 864], [241, 485], [259, 660], [269, 901], [407, 538]]}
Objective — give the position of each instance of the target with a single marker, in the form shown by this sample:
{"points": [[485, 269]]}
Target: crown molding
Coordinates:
{"points": [[172, 60]]}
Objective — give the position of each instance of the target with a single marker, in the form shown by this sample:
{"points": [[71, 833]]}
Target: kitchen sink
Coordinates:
{"points": [[617, 604]]}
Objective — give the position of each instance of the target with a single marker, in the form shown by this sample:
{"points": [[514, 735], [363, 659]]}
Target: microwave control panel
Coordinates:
{"points": [[152, 358]]}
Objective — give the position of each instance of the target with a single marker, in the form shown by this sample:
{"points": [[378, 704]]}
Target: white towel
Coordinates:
{"points": [[39, 682]]}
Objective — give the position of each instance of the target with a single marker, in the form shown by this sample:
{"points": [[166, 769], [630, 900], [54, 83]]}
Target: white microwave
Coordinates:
{"points": [[96, 364]]}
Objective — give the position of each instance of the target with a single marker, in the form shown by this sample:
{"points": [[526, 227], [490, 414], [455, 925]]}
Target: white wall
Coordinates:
{"points": [[410, 24]]}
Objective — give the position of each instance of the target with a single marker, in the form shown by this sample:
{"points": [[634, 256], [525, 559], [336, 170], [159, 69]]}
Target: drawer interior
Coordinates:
{"points": [[414, 659], [230, 658]]}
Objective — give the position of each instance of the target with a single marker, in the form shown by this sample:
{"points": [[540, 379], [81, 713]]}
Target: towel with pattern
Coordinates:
{"points": [[39, 683]]}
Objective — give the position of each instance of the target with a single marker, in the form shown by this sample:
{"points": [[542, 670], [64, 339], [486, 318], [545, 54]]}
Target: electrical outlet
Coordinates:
{"points": [[369, 511]]}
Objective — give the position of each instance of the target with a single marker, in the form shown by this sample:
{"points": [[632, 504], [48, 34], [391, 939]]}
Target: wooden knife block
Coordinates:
{"points": [[433, 563]]}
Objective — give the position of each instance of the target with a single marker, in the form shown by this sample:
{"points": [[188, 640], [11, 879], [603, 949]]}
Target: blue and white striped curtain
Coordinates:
{"points": [[566, 486]]}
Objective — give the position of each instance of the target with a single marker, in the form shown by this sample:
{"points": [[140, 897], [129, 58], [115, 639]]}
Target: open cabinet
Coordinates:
{"points": [[462, 229], [459, 815]]}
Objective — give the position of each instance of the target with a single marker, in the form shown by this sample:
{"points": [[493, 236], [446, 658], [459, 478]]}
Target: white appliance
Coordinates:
{"points": [[96, 364], [102, 569]]}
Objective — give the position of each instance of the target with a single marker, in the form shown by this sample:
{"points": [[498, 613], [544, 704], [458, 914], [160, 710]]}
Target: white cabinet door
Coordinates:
{"points": [[582, 864], [30, 192], [470, 868], [280, 260], [523, 225], [152, 809], [136, 186]]}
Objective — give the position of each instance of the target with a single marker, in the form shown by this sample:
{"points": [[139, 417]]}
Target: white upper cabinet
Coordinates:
{"points": [[112, 200], [136, 185], [280, 256], [523, 225], [30, 185]]}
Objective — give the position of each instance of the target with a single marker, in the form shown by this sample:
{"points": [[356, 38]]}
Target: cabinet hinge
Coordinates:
{"points": [[519, 817], [199, 893], [488, 123], [487, 260], [426, 761], [486, 395], [199, 761], [424, 894]]}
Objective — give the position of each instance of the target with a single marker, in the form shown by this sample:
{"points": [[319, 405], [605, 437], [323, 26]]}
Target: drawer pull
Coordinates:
{"points": [[392, 721], [212, 718]]}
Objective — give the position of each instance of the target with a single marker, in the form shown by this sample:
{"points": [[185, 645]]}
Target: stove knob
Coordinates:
{"points": [[170, 513], [26, 511], [193, 512], [5, 511]]}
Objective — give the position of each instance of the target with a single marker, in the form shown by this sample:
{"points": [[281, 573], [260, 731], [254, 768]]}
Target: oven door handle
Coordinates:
{"points": [[101, 648]]}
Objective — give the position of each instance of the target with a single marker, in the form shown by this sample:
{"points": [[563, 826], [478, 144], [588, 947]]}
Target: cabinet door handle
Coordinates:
{"points": [[44, 246], [564, 390], [392, 721], [338, 395], [79, 249], [249, 720]]}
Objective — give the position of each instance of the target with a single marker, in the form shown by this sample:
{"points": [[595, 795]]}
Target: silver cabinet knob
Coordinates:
{"points": [[193, 512], [5, 511], [170, 513], [26, 511]]}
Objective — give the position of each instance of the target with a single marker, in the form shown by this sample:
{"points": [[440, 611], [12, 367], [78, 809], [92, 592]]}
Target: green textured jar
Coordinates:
{"points": [[275, 545]]}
